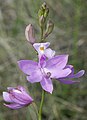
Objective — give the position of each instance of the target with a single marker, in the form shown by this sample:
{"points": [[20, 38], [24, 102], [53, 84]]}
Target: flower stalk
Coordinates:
{"points": [[41, 33], [41, 106]]}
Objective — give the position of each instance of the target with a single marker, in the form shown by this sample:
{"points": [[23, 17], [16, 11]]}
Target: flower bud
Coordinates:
{"points": [[44, 5], [41, 21], [43, 11], [16, 98], [49, 29], [29, 34], [46, 12], [40, 12]]}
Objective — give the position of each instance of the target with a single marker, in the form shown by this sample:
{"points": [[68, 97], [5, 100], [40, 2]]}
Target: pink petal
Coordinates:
{"points": [[17, 100], [58, 73], [14, 106], [77, 75], [47, 85], [61, 73], [21, 88], [6, 97], [68, 81], [10, 88], [27, 66], [57, 62], [35, 76], [37, 45], [20, 97], [71, 67], [49, 53]]}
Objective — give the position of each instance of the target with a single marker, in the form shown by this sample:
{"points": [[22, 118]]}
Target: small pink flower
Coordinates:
{"points": [[17, 97]]}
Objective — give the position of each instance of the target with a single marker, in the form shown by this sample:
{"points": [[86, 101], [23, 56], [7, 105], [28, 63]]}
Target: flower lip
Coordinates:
{"points": [[42, 48]]}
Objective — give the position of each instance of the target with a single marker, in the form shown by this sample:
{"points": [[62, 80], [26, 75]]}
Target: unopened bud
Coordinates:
{"points": [[49, 29], [41, 21], [29, 33], [40, 12], [46, 12], [43, 11], [44, 5]]}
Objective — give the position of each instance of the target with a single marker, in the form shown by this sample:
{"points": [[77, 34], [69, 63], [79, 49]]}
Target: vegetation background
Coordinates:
{"points": [[68, 102]]}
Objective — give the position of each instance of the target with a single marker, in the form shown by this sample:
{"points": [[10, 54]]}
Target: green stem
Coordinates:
{"points": [[41, 105], [41, 34], [76, 31]]}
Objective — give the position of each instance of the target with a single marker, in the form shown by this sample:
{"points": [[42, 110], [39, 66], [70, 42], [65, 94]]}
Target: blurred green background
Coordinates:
{"points": [[68, 102]]}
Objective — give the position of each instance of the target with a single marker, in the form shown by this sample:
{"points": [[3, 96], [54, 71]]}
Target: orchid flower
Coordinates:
{"points": [[16, 97], [45, 70], [42, 49]]}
